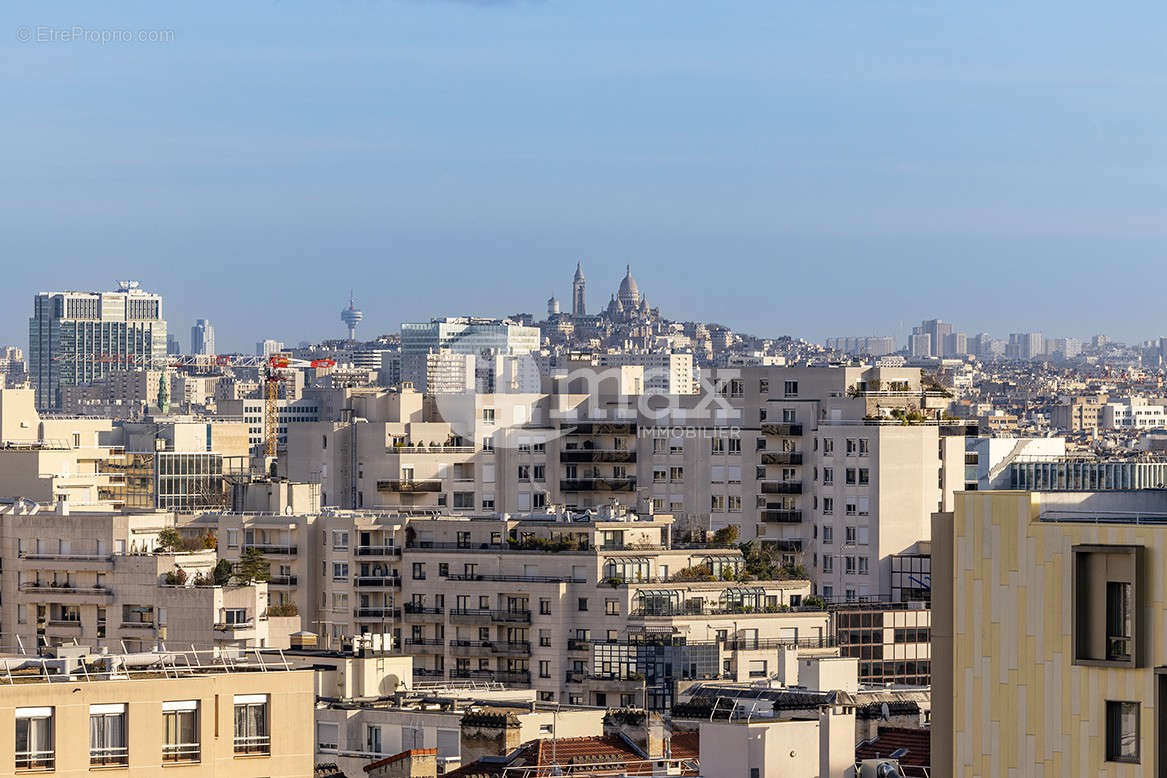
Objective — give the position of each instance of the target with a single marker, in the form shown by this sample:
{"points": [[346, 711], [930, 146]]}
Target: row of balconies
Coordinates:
{"points": [[486, 616], [781, 487], [597, 485], [774, 516]]}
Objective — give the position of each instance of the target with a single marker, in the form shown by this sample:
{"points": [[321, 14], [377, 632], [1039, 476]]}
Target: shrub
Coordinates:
{"points": [[283, 609]]}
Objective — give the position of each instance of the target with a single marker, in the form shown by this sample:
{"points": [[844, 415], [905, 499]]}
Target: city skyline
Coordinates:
{"points": [[242, 340]]}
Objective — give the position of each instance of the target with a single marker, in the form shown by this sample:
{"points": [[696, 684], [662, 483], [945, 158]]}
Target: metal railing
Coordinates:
{"points": [[253, 744], [180, 752], [45, 759]]}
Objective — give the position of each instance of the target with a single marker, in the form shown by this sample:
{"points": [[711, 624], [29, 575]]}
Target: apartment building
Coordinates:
{"points": [[101, 579], [140, 714], [1079, 414], [1133, 413], [1047, 644], [600, 609], [837, 467], [78, 337]]}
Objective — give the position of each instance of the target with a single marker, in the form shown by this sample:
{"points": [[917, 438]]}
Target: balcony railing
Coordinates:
{"points": [[39, 556], [424, 642], [781, 487], [62, 589], [597, 485], [599, 428], [271, 548], [411, 609], [596, 455], [781, 428], [514, 578], [376, 613], [781, 458], [430, 485], [781, 517], [253, 744], [478, 616], [378, 550], [282, 580], [138, 625], [378, 581], [36, 760]]}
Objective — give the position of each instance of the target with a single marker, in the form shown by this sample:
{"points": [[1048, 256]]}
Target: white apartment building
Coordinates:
{"points": [[460, 335], [78, 337], [665, 372], [590, 610], [101, 579], [1134, 413], [813, 460]]}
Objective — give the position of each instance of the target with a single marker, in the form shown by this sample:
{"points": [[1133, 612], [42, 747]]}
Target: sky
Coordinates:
{"points": [[804, 167]]}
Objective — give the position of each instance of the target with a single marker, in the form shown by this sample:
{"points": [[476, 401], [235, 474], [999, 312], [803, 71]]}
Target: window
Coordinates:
{"points": [[488, 415], [327, 736], [1122, 732], [1106, 612], [339, 540], [717, 503], [611, 608], [849, 565], [863, 565], [340, 571], [849, 536], [828, 506], [790, 388], [34, 739], [717, 445], [864, 476], [583, 604], [419, 571], [828, 476], [828, 563], [180, 724], [107, 735], [252, 735], [676, 474], [828, 447], [544, 668], [764, 386], [372, 739], [828, 535], [735, 445], [545, 607]]}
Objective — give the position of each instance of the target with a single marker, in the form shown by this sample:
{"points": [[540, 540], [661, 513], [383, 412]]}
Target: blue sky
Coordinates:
{"points": [[816, 168]]}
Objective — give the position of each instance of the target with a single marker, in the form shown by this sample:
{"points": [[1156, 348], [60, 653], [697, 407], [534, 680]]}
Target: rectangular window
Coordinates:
{"points": [[107, 735], [828, 535], [34, 739], [1122, 732], [252, 732], [828, 476], [180, 725], [790, 388]]}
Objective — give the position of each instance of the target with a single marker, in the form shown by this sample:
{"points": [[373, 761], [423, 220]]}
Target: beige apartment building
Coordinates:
{"points": [[140, 715], [100, 579], [585, 609], [1048, 634], [840, 468], [1080, 413]]}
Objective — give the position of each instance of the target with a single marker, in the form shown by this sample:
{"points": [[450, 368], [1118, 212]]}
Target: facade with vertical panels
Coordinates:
{"points": [[1048, 648]]}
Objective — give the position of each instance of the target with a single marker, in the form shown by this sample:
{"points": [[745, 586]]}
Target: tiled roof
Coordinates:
{"points": [[917, 742], [578, 753], [412, 752], [327, 770]]}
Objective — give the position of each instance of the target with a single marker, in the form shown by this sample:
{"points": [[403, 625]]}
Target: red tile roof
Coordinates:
{"points": [[918, 743], [398, 757]]}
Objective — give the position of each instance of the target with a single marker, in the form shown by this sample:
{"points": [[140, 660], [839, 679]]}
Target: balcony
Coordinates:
{"points": [[511, 648], [784, 429], [516, 677], [467, 674], [376, 613], [377, 581], [60, 590], [781, 487], [382, 551], [426, 645], [781, 458], [142, 625], [271, 549], [774, 516], [599, 428], [420, 610], [570, 677], [578, 644], [38, 556], [597, 485], [596, 455], [470, 647], [428, 485], [486, 616], [65, 623], [515, 578], [282, 580]]}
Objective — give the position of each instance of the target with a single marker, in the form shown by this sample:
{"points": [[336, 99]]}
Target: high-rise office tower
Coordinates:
{"points": [[202, 337], [578, 303], [79, 337], [938, 330]]}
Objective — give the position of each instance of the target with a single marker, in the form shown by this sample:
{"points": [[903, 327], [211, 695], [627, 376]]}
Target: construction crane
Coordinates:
{"points": [[271, 393]]}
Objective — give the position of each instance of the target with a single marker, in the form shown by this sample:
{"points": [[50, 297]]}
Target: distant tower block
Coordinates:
{"points": [[351, 316], [578, 286]]}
